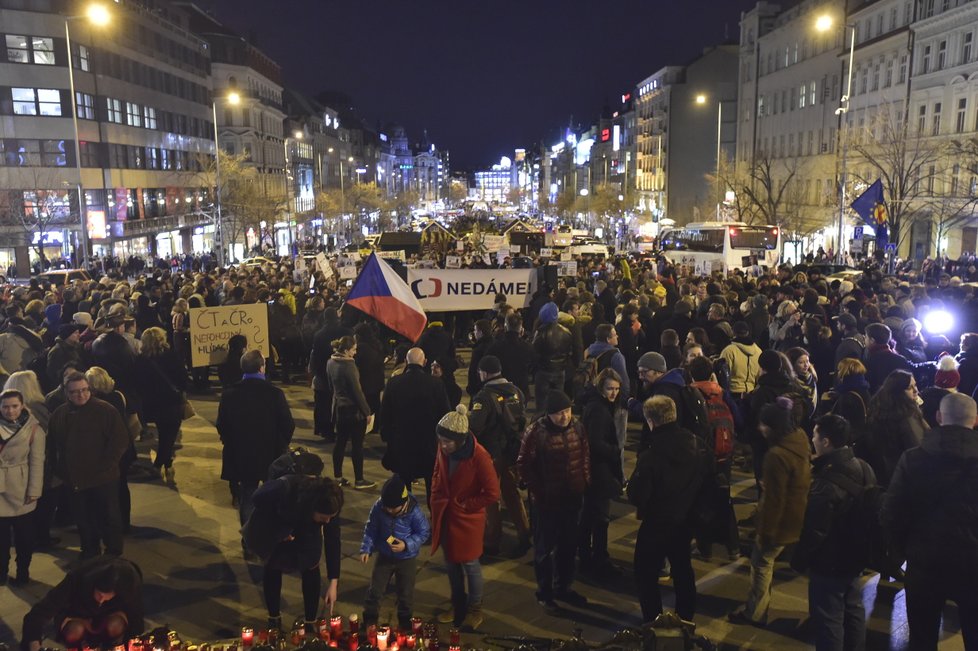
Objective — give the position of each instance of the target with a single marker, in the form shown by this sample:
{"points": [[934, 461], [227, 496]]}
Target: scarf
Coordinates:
{"points": [[8, 429], [253, 376], [853, 383]]}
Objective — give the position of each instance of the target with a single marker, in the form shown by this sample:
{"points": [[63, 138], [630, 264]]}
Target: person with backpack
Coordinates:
{"points": [[781, 508], [497, 418], [720, 410], [930, 514], [833, 548], [663, 488], [849, 398], [602, 354], [601, 405], [657, 380]]}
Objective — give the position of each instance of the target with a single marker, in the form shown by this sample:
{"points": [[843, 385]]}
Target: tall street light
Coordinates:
{"points": [[232, 98], [97, 15], [701, 100], [823, 24], [289, 196]]}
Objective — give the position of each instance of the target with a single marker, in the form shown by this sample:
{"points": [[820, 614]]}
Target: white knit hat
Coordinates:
{"points": [[454, 425]]}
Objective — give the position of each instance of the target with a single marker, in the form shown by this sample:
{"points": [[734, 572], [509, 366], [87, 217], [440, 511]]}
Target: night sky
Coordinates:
{"points": [[483, 77]]}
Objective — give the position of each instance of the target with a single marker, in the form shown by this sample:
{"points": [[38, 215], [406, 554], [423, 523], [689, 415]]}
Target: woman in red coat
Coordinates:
{"points": [[464, 482]]}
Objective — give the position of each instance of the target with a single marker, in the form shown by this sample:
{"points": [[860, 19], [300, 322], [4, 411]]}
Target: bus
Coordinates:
{"points": [[722, 246]]}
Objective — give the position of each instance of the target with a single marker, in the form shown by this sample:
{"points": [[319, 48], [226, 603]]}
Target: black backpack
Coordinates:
{"points": [[862, 517], [693, 413], [510, 409], [585, 373]]}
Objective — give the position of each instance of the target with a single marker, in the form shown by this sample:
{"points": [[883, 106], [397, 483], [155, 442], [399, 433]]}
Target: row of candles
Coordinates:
{"points": [[330, 631]]}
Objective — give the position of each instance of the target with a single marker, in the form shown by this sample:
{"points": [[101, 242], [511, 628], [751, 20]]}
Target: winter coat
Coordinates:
{"points": [[888, 439], [770, 387], [344, 377], [479, 351], [968, 368], [617, 362], [850, 346], [598, 420], [370, 365], [787, 479], [18, 347], [913, 351], [485, 418], [849, 399], [681, 323], [554, 464], [759, 319], [667, 475], [322, 349], [411, 527], [825, 547], [161, 381], [552, 345], [785, 333], [880, 362], [74, 597], [255, 425], [21, 467], [741, 356], [89, 442], [113, 352], [60, 355], [436, 342], [412, 405], [515, 357], [458, 503], [930, 510]]}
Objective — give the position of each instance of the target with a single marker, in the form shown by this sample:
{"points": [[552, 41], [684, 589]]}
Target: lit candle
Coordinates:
{"points": [[354, 641], [383, 634], [412, 640], [401, 638], [354, 623], [372, 635], [336, 626], [416, 625], [324, 630], [247, 636], [453, 633]]}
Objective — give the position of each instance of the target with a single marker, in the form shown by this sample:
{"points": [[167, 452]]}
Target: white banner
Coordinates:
{"points": [[451, 290], [492, 242], [392, 255]]}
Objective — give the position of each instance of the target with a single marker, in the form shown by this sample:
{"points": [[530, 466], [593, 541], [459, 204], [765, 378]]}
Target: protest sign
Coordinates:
{"points": [[212, 327]]}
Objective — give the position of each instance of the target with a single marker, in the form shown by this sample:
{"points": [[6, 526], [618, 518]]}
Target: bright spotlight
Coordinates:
{"points": [[938, 322]]}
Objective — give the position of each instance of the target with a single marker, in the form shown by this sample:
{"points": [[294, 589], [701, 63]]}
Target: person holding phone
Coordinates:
{"points": [[396, 529]]}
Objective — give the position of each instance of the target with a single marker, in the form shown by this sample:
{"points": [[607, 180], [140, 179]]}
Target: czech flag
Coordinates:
{"points": [[380, 292], [871, 207]]}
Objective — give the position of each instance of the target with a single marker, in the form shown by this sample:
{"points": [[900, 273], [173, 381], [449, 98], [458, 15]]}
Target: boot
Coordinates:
{"points": [[473, 619], [275, 623]]}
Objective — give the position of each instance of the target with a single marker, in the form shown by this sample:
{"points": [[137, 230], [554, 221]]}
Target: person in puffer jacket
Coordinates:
{"points": [[396, 528]]}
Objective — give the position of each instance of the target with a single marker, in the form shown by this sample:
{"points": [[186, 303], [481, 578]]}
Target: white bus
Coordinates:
{"points": [[722, 246]]}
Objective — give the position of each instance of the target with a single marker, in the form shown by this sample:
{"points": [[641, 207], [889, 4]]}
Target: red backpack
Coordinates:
{"points": [[719, 418]]}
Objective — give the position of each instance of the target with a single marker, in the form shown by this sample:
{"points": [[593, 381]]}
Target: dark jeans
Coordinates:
{"points": [[98, 518], [246, 489], [404, 570], [555, 535], [125, 496], [323, 413], [23, 529], [654, 544], [272, 587], [593, 537], [927, 592], [349, 427], [838, 619], [168, 427], [543, 383]]}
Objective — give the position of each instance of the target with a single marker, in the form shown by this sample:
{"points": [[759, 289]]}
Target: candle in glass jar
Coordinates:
{"points": [[411, 639], [323, 627], [354, 641], [354, 623], [383, 635], [372, 635], [247, 636], [336, 626], [401, 637], [454, 635]]}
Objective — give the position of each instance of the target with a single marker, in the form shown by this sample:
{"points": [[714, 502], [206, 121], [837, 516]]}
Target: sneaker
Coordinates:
{"points": [[473, 619], [571, 597], [362, 484], [548, 604], [342, 481], [170, 475]]}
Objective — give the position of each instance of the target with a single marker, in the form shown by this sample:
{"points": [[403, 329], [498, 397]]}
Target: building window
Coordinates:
{"points": [[53, 153], [85, 105], [879, 24], [136, 158], [134, 116], [863, 80], [36, 101], [936, 120], [802, 95], [876, 76], [89, 154], [966, 47], [152, 158], [941, 55], [955, 176], [149, 117], [903, 70], [921, 119], [925, 63], [113, 109], [30, 49], [888, 77], [80, 58], [962, 109], [811, 93], [893, 18]]}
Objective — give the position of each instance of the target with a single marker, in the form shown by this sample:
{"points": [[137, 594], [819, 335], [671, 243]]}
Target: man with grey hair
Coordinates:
{"points": [[930, 513]]}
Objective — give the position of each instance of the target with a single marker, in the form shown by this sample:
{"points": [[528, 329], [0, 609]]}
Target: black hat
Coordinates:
{"points": [[394, 493], [490, 364], [557, 401], [67, 329]]}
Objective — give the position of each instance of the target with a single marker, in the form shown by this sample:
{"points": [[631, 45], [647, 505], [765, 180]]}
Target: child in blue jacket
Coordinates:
{"points": [[396, 529]]}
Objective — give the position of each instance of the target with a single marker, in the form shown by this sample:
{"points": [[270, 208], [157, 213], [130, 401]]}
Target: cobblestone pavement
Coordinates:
{"points": [[186, 541]]}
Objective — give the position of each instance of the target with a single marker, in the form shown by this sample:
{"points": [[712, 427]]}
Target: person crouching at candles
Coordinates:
{"points": [[396, 528], [99, 603], [463, 484], [294, 521]]}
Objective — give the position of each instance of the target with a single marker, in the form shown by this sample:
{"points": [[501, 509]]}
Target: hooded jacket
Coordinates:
{"points": [[930, 510], [411, 527], [617, 363], [742, 357], [787, 479]]}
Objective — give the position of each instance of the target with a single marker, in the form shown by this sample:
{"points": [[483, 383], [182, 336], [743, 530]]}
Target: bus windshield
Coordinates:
{"points": [[705, 240], [754, 237]]}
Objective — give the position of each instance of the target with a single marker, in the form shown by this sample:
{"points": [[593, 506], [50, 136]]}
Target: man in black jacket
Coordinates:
{"points": [[828, 549], [930, 514], [412, 405], [662, 488], [552, 348], [256, 426], [515, 353]]}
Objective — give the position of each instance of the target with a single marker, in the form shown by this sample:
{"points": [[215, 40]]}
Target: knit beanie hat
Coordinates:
{"points": [[947, 376], [394, 493], [548, 313], [557, 401], [454, 425], [770, 361], [653, 361]]}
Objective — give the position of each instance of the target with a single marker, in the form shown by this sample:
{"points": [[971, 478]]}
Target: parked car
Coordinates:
{"points": [[62, 277]]}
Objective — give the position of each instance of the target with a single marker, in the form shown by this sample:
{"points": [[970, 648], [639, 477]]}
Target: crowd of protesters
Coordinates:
{"points": [[827, 390]]}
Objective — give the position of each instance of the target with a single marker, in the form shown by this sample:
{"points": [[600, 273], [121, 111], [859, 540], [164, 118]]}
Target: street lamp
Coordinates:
{"points": [[823, 24], [701, 100], [296, 135], [99, 16], [232, 98]]}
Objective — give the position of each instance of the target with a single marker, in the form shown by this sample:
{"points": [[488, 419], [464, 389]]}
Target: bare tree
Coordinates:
{"points": [[38, 209]]}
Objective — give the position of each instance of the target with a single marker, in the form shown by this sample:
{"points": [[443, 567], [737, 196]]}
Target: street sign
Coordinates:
{"points": [[890, 247], [857, 233]]}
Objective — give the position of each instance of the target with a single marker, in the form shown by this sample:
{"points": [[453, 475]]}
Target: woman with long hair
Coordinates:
{"points": [[180, 329], [850, 399], [350, 410], [698, 335], [30, 389], [805, 373], [910, 343], [103, 388], [896, 424], [161, 380]]}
